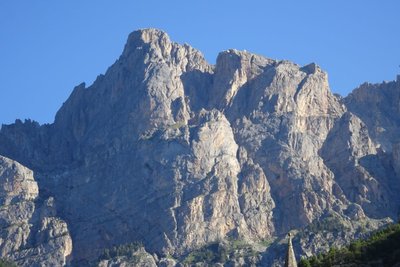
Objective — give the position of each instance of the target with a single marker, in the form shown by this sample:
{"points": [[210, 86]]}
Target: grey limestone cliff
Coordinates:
{"points": [[176, 153], [31, 234]]}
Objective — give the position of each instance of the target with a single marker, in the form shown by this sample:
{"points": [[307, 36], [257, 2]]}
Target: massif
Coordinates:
{"points": [[173, 152]]}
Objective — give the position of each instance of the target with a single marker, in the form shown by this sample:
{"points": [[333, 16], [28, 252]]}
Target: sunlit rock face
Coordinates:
{"points": [[176, 153], [31, 232]]}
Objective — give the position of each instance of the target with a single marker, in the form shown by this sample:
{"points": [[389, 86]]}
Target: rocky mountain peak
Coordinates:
{"points": [[149, 35], [378, 106], [176, 153], [142, 39], [233, 70], [155, 46]]}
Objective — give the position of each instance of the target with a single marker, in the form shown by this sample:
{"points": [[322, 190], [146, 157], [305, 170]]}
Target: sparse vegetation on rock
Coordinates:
{"points": [[380, 249]]}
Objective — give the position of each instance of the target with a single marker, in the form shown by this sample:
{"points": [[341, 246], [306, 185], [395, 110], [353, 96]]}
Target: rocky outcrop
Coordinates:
{"points": [[352, 156], [377, 105], [281, 117], [31, 234], [139, 257], [176, 153]]}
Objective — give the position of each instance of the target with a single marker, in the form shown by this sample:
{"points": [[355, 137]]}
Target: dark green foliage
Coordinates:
{"points": [[122, 250], [304, 263], [329, 224], [212, 253], [220, 253], [7, 263], [381, 249]]}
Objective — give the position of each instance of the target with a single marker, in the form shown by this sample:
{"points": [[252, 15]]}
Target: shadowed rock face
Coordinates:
{"points": [[378, 106], [169, 150]]}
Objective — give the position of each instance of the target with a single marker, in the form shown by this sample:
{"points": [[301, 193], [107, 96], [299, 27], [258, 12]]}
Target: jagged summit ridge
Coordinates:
{"points": [[176, 153]]}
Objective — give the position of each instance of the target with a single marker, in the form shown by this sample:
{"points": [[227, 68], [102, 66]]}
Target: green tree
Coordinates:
{"points": [[7, 263], [304, 263]]}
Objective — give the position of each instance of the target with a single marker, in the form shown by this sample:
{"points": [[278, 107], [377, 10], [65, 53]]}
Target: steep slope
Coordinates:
{"points": [[381, 249], [124, 148], [378, 107], [176, 153], [31, 234], [281, 114], [362, 170]]}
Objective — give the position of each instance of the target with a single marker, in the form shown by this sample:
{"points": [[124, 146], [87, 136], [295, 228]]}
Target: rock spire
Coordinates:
{"points": [[290, 260]]}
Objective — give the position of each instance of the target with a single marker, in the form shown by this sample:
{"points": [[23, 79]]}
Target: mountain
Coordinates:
{"points": [[178, 154]]}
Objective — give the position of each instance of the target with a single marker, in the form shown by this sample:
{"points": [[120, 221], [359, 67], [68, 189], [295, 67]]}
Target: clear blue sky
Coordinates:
{"points": [[47, 47]]}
